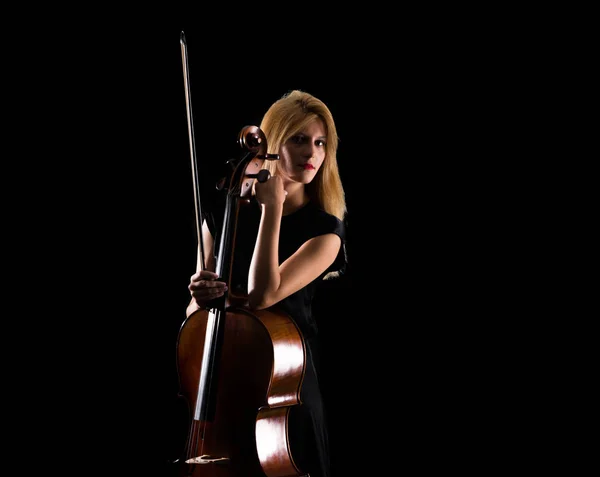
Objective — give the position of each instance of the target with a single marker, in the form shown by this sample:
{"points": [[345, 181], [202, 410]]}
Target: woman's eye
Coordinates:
{"points": [[297, 139], [303, 139]]}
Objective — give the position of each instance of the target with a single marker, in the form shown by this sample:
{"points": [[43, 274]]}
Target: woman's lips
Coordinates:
{"points": [[307, 167]]}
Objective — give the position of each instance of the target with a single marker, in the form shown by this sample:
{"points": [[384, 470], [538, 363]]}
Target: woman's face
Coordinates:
{"points": [[302, 155]]}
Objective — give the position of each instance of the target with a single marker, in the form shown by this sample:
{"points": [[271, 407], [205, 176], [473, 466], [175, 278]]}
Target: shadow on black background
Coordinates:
{"points": [[403, 330]]}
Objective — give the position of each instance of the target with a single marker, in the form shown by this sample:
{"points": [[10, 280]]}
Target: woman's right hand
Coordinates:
{"points": [[205, 287]]}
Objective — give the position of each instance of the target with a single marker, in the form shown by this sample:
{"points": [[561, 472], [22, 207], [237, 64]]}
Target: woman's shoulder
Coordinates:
{"points": [[323, 222]]}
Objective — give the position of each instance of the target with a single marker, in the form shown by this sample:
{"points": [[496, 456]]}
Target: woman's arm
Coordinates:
{"points": [[203, 284], [268, 282]]}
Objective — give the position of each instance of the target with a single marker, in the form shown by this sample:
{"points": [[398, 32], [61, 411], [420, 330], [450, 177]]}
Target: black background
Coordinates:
{"points": [[408, 330]]}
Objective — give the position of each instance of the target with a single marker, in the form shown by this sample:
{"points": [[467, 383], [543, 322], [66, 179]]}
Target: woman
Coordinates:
{"points": [[298, 239]]}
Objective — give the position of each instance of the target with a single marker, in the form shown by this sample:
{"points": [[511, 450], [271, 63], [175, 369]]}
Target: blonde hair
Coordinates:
{"points": [[290, 114]]}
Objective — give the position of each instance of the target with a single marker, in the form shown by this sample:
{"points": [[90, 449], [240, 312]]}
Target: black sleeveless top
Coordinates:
{"points": [[307, 222]]}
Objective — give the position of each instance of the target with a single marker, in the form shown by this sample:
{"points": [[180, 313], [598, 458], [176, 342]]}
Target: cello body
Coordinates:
{"points": [[260, 376]]}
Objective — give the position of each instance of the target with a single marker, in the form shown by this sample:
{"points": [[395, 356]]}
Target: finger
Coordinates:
{"points": [[215, 291], [205, 273], [203, 276], [213, 284], [207, 285], [207, 293]]}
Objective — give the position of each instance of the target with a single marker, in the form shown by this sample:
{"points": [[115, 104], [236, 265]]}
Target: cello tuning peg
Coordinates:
{"points": [[268, 156], [261, 176]]}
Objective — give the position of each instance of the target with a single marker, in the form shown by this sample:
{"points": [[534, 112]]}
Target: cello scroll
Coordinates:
{"points": [[253, 139]]}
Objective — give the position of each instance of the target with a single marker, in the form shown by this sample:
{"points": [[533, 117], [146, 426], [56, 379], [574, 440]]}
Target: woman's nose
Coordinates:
{"points": [[311, 150]]}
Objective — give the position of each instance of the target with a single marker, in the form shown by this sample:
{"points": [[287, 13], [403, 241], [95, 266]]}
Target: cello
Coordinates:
{"points": [[240, 371]]}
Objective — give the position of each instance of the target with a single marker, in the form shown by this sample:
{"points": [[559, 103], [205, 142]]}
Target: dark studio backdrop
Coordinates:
{"points": [[403, 346]]}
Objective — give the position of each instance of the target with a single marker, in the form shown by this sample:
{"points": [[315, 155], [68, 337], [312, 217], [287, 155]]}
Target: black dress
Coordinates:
{"points": [[307, 422]]}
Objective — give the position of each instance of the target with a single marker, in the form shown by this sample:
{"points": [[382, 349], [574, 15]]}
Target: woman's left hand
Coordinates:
{"points": [[270, 191]]}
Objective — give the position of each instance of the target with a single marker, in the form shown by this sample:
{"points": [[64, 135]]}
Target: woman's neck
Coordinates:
{"points": [[296, 197]]}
